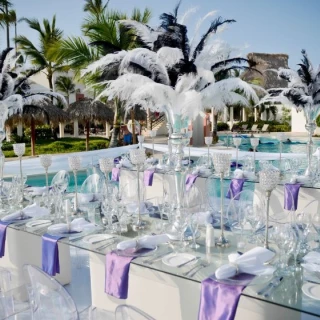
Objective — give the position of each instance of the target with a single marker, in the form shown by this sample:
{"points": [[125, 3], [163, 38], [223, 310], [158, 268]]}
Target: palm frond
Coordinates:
{"points": [[106, 46]]}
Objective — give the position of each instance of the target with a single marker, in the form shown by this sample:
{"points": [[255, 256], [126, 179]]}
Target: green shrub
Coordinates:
{"points": [[18, 139], [318, 121], [42, 132], [222, 126]]}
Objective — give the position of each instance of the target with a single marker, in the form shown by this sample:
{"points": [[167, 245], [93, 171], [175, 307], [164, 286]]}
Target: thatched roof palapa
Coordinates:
{"points": [[87, 109]]}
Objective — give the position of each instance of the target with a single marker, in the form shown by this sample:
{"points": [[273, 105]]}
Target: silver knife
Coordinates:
{"points": [[185, 263], [98, 241], [275, 284]]}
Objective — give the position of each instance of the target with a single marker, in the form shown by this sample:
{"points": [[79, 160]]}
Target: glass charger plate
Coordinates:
{"points": [[67, 234], [24, 218], [244, 280], [133, 252]]}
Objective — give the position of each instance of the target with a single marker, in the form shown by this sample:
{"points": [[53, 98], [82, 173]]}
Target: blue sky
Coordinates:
{"points": [[272, 26]]}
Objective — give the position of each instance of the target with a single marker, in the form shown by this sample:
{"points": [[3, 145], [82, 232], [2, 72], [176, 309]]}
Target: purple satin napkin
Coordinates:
{"points": [[219, 301], [190, 180], [3, 233], [50, 254], [233, 164], [117, 160], [236, 186], [115, 175], [291, 194], [148, 177]]}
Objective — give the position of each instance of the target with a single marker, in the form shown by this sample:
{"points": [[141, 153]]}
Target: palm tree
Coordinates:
{"points": [[43, 57], [95, 7], [65, 85], [7, 17]]}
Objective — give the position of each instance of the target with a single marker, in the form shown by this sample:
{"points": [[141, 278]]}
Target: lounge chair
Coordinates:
{"points": [[265, 128], [243, 128], [254, 128]]}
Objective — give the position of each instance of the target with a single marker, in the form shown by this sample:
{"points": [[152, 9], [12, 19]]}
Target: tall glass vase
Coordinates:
{"points": [[310, 127]]}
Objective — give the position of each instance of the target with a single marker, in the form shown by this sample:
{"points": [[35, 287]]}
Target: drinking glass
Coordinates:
{"points": [[281, 137], [75, 165], [237, 143], [221, 163], [208, 142], [138, 157], [268, 180], [19, 150], [46, 161], [254, 143]]}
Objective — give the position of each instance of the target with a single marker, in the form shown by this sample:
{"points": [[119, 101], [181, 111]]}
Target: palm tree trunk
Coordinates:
{"points": [[87, 135], [134, 137], [116, 124], [33, 136], [15, 36], [7, 27], [215, 128]]}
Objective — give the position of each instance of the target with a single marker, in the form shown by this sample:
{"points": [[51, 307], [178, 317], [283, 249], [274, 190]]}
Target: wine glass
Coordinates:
{"points": [[75, 165], [221, 162], [208, 142], [138, 157], [106, 165], [152, 134], [194, 224], [46, 161], [281, 137], [140, 140], [237, 143], [254, 143], [19, 150], [268, 179]]}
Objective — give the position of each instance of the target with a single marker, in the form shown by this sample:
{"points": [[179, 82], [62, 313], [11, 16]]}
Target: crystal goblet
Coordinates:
{"points": [[281, 137], [254, 143], [221, 163], [140, 140], [268, 179], [237, 143], [138, 157], [106, 165], [208, 142], [46, 161], [75, 165]]}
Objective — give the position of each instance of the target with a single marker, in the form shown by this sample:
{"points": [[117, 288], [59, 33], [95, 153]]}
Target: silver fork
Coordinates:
{"points": [[200, 266], [105, 245], [156, 258]]}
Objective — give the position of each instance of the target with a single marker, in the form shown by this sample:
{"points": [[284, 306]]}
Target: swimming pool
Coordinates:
{"points": [[268, 144]]}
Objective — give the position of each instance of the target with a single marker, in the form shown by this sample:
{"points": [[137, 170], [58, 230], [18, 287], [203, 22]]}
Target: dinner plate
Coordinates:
{"points": [[175, 259], [38, 223], [17, 219], [96, 238], [311, 290], [244, 279], [133, 252]]}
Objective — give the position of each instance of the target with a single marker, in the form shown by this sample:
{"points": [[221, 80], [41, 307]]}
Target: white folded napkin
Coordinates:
{"points": [[311, 267], [312, 257], [124, 162], [33, 211], [37, 191], [133, 207], [238, 174], [200, 170], [77, 225], [151, 160], [251, 262], [147, 242]]}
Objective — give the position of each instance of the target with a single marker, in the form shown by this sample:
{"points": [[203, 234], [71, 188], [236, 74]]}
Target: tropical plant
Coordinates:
{"points": [[168, 71], [95, 7], [65, 85], [268, 108], [6, 18], [16, 90], [43, 57]]}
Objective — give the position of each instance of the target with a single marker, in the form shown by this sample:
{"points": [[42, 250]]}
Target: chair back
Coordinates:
{"points": [[265, 127], [61, 180], [50, 300], [244, 126], [93, 184], [127, 312], [254, 127]]}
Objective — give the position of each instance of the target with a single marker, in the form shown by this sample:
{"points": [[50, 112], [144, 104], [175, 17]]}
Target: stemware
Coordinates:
{"points": [[140, 140], [138, 157], [194, 224], [237, 143], [19, 150], [254, 143], [152, 134], [315, 220], [281, 137], [268, 179], [75, 165], [46, 161], [221, 163], [208, 142], [106, 165], [190, 132]]}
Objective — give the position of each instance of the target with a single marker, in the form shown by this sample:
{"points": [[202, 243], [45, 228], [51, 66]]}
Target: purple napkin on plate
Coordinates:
{"points": [[236, 186], [219, 301], [291, 194], [117, 275], [117, 160], [148, 177], [115, 175], [190, 180], [50, 254], [3, 233]]}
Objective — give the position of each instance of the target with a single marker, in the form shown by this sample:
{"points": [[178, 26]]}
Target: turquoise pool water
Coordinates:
{"points": [[271, 145]]}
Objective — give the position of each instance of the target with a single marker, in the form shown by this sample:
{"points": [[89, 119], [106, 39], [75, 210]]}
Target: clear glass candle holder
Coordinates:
{"points": [[46, 162], [75, 165], [237, 143], [152, 134], [106, 165]]}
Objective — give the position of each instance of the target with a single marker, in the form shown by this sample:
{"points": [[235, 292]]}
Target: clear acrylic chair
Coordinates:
{"points": [[61, 180], [50, 300], [93, 184], [127, 312]]}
